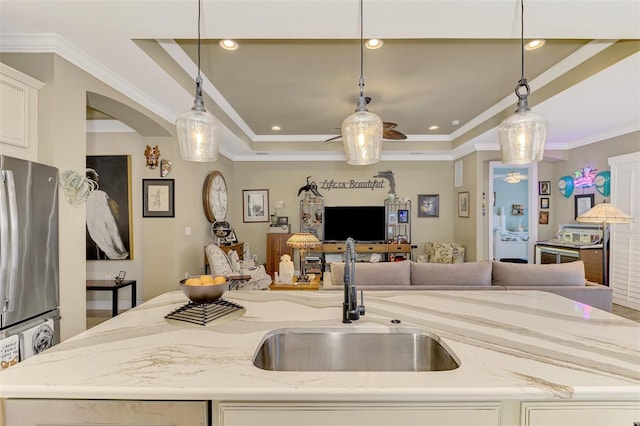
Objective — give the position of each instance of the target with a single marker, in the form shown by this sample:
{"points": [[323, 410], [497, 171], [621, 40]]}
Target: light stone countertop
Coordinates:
{"points": [[515, 345]]}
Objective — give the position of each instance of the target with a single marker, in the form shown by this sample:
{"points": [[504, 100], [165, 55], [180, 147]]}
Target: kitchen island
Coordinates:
{"points": [[526, 358]]}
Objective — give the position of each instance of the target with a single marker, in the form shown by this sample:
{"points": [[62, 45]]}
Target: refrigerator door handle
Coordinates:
{"points": [[4, 241], [15, 241]]}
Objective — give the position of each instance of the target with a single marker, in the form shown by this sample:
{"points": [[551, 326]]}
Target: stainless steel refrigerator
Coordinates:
{"points": [[29, 276]]}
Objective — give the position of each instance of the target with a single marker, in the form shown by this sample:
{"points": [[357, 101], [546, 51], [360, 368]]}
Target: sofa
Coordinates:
{"points": [[565, 279]]}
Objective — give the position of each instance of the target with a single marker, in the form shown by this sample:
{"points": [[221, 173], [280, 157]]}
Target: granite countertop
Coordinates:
{"points": [[516, 345]]}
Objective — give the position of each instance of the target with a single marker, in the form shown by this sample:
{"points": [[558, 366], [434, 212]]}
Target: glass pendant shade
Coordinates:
{"points": [[522, 137], [198, 134], [362, 137]]}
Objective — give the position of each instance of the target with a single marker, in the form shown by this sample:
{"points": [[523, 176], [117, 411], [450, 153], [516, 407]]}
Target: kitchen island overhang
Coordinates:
{"points": [[512, 346]]}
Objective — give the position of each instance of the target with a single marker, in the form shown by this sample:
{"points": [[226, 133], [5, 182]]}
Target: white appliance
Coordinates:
{"points": [[29, 277]]}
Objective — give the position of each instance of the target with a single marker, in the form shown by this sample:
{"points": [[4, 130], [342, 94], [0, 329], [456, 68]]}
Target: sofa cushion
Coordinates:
{"points": [[374, 274], [464, 274], [556, 274], [444, 252]]}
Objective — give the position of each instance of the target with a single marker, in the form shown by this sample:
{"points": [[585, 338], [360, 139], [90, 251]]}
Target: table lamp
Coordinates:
{"points": [[604, 213], [302, 241]]}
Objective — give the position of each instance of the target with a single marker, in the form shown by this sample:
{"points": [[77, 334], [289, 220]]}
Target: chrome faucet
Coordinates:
{"points": [[351, 311]]}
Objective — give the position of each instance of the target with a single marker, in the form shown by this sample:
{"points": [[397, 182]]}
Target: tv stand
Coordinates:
{"points": [[388, 250]]}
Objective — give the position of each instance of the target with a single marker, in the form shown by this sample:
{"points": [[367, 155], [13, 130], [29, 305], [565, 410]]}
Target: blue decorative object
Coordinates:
{"points": [[565, 186], [603, 183]]}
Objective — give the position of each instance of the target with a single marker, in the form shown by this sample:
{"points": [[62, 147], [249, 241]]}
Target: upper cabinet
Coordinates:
{"points": [[18, 114]]}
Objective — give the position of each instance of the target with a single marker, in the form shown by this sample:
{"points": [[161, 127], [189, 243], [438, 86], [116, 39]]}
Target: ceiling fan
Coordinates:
{"points": [[389, 131], [511, 177]]}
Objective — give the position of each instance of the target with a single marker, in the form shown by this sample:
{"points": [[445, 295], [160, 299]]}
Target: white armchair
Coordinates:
{"points": [[224, 264]]}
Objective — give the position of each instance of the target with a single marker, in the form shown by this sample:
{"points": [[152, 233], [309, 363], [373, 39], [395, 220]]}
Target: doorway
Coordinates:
{"points": [[513, 212]]}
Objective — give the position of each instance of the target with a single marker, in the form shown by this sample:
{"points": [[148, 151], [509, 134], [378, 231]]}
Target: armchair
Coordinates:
{"points": [[226, 265]]}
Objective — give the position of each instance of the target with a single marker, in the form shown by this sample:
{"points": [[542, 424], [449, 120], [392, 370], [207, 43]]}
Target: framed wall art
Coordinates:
{"points": [[583, 203], [543, 218], [403, 216], [544, 203], [255, 205], [544, 187], [109, 208], [158, 198], [463, 204], [428, 205]]}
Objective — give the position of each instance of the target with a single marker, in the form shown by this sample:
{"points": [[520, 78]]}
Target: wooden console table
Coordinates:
{"points": [[113, 286]]}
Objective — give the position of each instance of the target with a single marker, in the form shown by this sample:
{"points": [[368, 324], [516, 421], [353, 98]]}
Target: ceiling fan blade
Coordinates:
{"points": [[333, 138], [393, 134], [387, 125]]}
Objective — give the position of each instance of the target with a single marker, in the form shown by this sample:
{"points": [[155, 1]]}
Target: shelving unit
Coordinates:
{"points": [[398, 226], [312, 216]]}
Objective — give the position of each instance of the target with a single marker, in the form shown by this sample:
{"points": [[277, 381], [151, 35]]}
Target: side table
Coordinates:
{"points": [[113, 286]]}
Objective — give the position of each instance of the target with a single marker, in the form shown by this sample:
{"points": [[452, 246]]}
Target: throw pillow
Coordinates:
{"points": [[218, 261]]}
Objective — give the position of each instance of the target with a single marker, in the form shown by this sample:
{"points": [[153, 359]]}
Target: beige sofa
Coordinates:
{"points": [[565, 279]]}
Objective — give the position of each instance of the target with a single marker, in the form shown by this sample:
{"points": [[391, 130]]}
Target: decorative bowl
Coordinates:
{"points": [[203, 293]]}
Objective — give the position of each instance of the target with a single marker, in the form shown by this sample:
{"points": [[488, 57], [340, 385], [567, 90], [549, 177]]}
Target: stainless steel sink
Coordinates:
{"points": [[403, 349]]}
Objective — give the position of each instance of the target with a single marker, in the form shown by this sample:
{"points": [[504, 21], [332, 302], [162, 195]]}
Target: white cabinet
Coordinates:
{"points": [[18, 114], [588, 413], [359, 414], [60, 412]]}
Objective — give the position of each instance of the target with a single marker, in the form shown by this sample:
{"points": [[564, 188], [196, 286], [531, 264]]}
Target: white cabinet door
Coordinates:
{"points": [[359, 414], [580, 413], [60, 412]]}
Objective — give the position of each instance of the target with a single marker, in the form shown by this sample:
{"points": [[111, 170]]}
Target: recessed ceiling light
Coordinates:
{"points": [[534, 44], [228, 44], [434, 127], [455, 122], [374, 43], [276, 128]]}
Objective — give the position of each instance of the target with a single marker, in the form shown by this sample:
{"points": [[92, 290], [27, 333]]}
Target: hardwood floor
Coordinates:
{"points": [[95, 317]]}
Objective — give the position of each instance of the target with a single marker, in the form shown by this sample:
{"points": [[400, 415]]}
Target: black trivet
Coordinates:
{"points": [[203, 313]]}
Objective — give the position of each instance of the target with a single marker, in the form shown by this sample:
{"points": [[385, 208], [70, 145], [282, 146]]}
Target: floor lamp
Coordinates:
{"points": [[605, 214], [302, 241]]}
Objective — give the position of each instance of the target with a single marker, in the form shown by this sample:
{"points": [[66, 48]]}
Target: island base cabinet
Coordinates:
{"points": [[63, 412], [358, 414], [587, 413]]}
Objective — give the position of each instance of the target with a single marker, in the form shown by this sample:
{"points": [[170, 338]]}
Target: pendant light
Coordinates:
{"points": [[523, 134], [198, 131], [362, 130]]}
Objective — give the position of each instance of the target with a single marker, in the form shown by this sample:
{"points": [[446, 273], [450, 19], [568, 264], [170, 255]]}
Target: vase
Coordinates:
{"points": [[274, 219]]}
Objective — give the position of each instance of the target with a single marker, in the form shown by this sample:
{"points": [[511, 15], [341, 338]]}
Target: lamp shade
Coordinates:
{"points": [[303, 240], [522, 137], [198, 133], [604, 213], [362, 138]]}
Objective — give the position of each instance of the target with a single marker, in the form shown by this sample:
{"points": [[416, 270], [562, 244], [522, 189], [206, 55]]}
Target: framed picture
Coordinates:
{"points": [[255, 205], [517, 210], [282, 220], [583, 203], [393, 218], [544, 187], [463, 204], [109, 208], [543, 218], [544, 203], [428, 205], [403, 216], [158, 198]]}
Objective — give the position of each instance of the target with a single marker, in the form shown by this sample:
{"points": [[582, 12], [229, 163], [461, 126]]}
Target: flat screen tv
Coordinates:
{"points": [[362, 223]]}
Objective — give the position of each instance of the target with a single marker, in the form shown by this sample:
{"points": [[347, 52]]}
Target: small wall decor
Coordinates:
{"points": [[544, 187], [428, 205], [565, 186], [603, 183], [583, 203], [255, 205], [458, 174], [544, 203], [165, 168], [158, 198], [543, 218], [517, 209], [153, 156], [463, 204]]}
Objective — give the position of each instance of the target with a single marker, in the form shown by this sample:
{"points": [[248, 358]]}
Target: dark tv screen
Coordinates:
{"points": [[362, 223]]}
